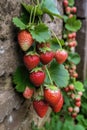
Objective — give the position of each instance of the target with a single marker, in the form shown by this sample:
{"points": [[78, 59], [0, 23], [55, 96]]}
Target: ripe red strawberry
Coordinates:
{"points": [[65, 2], [74, 115], [40, 107], [70, 109], [28, 92], [31, 61], [78, 98], [61, 56], [47, 57], [37, 77], [70, 36], [71, 87], [68, 10], [52, 95], [73, 9], [25, 40], [78, 103], [59, 105]]}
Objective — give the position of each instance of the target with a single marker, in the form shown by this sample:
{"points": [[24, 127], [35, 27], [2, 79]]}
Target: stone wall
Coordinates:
{"points": [[15, 112], [82, 38]]}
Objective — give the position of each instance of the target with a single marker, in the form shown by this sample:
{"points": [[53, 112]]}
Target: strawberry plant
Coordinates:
{"points": [[49, 64]]}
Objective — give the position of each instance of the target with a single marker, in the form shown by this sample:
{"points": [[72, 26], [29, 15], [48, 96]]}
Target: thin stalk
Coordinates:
{"points": [[49, 75], [37, 2], [56, 38], [41, 90], [31, 15], [34, 14]]}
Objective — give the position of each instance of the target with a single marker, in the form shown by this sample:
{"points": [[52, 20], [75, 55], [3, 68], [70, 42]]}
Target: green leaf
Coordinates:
{"points": [[19, 23], [73, 24], [40, 33], [71, 2], [74, 58], [79, 127], [82, 120], [58, 74], [21, 79], [28, 8], [50, 8], [78, 86]]}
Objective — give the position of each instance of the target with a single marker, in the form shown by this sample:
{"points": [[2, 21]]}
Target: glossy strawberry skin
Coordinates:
{"points": [[47, 57], [65, 2], [31, 61], [28, 92], [25, 40], [52, 96], [37, 78], [61, 56], [40, 107], [59, 105]]}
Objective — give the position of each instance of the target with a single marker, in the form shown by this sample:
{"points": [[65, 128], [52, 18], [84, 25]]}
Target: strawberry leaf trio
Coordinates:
{"points": [[48, 75]]}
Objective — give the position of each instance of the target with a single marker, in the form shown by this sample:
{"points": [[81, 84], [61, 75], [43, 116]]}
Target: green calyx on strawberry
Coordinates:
{"points": [[52, 94], [28, 92], [37, 76], [31, 60], [25, 40], [46, 55], [40, 107], [61, 55], [39, 46]]}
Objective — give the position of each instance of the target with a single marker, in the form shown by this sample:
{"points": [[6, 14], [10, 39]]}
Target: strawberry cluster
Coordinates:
{"points": [[42, 54], [71, 43]]}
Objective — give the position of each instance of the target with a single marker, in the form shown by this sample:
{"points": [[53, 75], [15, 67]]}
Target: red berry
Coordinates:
{"points": [[73, 9], [28, 92], [75, 74], [70, 36], [37, 78], [61, 56], [78, 98], [25, 40], [70, 109], [59, 105], [52, 96], [40, 107], [47, 57], [66, 89], [71, 15], [65, 2], [68, 10], [31, 61], [74, 34], [78, 103], [74, 115], [71, 87]]}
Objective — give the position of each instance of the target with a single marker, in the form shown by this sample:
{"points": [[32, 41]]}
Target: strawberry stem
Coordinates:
{"points": [[41, 90], [34, 14], [56, 38], [49, 75], [31, 15]]}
